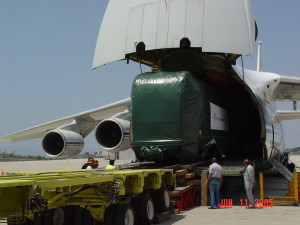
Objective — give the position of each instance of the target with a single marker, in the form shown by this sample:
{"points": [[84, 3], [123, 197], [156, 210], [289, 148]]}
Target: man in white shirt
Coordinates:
{"points": [[249, 180], [214, 179]]}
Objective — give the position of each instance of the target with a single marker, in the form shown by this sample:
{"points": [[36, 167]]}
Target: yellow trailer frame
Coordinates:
{"points": [[26, 194]]}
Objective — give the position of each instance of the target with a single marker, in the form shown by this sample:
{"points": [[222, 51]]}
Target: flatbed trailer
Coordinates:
{"points": [[86, 197]]}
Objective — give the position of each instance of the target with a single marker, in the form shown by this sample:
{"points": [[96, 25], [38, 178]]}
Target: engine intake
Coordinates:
{"points": [[113, 134], [62, 143]]}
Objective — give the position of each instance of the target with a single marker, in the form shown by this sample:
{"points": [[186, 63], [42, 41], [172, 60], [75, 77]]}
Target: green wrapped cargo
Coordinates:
{"points": [[171, 117]]}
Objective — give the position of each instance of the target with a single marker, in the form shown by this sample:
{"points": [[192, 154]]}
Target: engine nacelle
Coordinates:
{"points": [[62, 143], [113, 134]]}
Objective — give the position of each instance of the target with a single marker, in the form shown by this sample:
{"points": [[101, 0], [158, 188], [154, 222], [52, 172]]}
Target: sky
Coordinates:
{"points": [[46, 54]]}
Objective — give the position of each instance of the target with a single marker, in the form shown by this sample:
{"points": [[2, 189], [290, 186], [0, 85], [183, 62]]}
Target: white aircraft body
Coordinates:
{"points": [[149, 32]]}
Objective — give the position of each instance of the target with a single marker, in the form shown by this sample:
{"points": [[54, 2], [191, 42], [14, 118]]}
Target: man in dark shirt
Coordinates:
{"points": [[88, 164]]}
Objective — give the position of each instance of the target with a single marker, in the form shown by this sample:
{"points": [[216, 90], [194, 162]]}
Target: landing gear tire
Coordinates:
{"points": [[161, 199], [124, 215]]}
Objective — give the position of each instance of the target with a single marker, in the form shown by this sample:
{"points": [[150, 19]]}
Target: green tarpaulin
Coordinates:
{"points": [[171, 116]]}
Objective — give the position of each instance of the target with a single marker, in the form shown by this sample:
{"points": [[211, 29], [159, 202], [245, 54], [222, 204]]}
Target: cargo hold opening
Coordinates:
{"points": [[244, 122]]}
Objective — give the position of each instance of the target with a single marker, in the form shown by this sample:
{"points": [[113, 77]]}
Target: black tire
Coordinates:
{"points": [[125, 215], [109, 215], [291, 167], [144, 211], [69, 215], [48, 217], [135, 203], [38, 219], [78, 215], [55, 217], [161, 200]]}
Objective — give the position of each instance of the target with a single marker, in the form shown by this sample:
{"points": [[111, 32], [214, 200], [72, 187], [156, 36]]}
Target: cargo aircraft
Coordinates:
{"points": [[196, 103]]}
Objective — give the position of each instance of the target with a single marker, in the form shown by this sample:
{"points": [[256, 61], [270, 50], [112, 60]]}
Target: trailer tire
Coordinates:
{"points": [[48, 217], [125, 215], [68, 215], [59, 216], [55, 217], [145, 211], [38, 219], [78, 215], [161, 199], [109, 215], [135, 203]]}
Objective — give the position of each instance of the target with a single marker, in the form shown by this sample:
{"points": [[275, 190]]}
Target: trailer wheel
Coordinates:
{"points": [[145, 211], [110, 214], [38, 219], [55, 217], [135, 203], [48, 217], [68, 215], [58, 216], [124, 215], [78, 215], [161, 200]]}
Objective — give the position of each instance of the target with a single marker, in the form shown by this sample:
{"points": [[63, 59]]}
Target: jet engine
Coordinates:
{"points": [[113, 134], [62, 143]]}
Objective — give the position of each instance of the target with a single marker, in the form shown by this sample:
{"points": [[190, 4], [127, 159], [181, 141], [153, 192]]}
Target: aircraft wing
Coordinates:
{"points": [[82, 123], [288, 89]]}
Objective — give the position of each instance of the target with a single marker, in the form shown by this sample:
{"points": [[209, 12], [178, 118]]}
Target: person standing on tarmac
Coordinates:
{"points": [[96, 164], [89, 164], [214, 180], [111, 165], [249, 181]]}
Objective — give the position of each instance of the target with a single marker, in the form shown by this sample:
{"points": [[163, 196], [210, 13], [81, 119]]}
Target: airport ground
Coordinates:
{"points": [[275, 185]]}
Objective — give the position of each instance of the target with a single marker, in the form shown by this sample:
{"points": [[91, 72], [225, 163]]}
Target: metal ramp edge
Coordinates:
{"points": [[282, 169]]}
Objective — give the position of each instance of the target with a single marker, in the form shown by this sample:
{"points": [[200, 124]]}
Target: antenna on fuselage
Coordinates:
{"points": [[258, 67]]}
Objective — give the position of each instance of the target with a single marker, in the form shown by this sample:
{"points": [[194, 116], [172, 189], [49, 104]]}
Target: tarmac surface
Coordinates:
{"points": [[66, 164], [275, 185], [277, 215]]}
